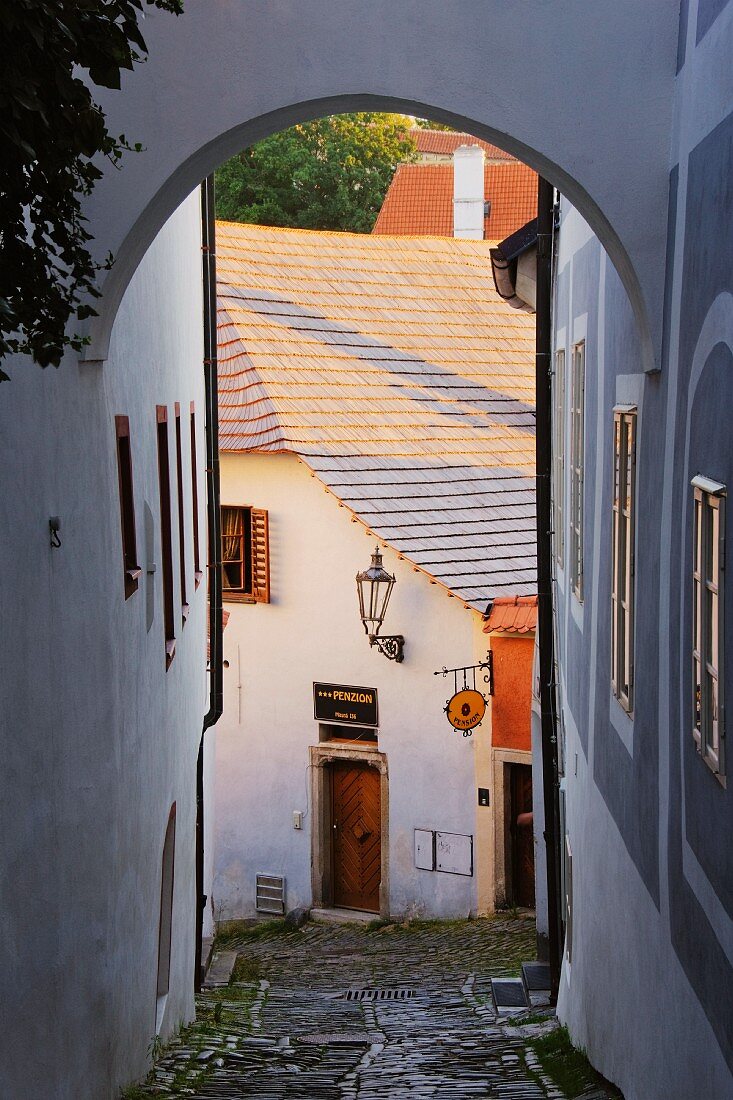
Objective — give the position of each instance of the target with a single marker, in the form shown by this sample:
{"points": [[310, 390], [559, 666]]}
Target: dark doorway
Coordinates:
{"points": [[522, 836], [357, 835]]}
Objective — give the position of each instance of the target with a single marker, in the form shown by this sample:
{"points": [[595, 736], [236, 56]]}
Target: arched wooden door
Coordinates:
{"points": [[357, 837]]}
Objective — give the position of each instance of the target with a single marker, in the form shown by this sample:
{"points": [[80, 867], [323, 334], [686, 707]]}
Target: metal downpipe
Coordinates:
{"points": [[216, 667], [543, 381]]}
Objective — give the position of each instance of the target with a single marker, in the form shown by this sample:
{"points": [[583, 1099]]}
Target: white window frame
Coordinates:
{"points": [[623, 554], [577, 467], [568, 901], [708, 568], [559, 457]]}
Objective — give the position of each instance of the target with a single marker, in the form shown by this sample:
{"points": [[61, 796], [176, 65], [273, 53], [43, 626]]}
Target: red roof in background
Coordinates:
{"points": [[224, 620], [445, 142], [512, 615], [419, 201]]}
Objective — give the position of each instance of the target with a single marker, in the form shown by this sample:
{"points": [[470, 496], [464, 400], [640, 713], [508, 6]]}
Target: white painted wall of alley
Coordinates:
{"points": [[99, 739], [311, 631]]}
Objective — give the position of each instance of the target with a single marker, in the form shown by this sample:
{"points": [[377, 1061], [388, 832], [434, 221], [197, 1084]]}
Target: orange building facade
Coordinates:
{"points": [[507, 763]]}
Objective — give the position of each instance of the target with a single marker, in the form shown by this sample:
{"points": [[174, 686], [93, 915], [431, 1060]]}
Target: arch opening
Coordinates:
{"points": [[215, 152]]}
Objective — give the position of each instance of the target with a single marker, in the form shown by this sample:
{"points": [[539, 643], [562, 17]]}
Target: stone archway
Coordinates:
{"points": [[595, 121]]}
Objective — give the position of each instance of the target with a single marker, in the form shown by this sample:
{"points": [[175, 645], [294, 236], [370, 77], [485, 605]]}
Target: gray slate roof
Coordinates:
{"points": [[397, 374]]}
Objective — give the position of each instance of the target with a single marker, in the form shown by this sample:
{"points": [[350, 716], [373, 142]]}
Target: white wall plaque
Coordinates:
{"points": [[424, 850], [454, 853]]}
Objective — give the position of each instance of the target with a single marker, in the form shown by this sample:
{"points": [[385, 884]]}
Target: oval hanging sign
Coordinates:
{"points": [[466, 709]]}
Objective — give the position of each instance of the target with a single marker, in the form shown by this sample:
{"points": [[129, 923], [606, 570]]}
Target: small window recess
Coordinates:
{"points": [[347, 735], [164, 482], [165, 926], [198, 573], [131, 566], [181, 520]]}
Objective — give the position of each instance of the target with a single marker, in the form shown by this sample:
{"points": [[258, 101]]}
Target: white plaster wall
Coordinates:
{"points": [[595, 119], [99, 739], [311, 632]]}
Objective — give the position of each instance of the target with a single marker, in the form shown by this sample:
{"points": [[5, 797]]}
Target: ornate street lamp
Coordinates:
{"points": [[375, 586]]}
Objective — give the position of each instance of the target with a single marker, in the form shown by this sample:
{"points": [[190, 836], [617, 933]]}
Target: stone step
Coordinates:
{"points": [[342, 916], [536, 976], [220, 969], [509, 995]]}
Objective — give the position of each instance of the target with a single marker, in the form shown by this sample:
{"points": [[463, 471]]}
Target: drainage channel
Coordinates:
{"points": [[368, 994]]}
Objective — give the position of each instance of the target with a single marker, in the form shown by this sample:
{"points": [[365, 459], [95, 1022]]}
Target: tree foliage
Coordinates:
{"points": [[53, 133], [329, 174], [426, 124]]}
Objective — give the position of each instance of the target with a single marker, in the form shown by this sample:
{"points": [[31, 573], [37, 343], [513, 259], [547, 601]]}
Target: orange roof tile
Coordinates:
{"points": [[512, 615], [445, 142], [420, 200]]}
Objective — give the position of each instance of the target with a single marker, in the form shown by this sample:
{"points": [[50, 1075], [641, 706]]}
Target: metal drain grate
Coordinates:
{"points": [[379, 994]]}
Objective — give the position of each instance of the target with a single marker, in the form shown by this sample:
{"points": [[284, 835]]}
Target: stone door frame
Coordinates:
{"points": [[321, 757]]}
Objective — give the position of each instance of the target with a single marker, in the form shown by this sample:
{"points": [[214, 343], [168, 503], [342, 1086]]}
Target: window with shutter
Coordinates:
{"points": [[260, 556], [245, 554]]}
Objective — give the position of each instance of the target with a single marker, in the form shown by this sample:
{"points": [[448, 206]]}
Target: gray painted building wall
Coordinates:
{"points": [[99, 740], [649, 825]]}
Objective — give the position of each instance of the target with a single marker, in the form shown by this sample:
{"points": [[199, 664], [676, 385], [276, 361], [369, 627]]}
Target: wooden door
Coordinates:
{"points": [[357, 839], [522, 835]]}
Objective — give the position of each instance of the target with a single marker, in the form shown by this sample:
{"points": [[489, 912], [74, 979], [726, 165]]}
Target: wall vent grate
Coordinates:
{"points": [[270, 894], [379, 994]]}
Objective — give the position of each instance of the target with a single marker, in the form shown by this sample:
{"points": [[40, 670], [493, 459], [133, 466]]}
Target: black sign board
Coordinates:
{"points": [[346, 705]]}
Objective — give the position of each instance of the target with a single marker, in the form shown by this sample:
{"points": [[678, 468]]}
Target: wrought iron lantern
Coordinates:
{"points": [[374, 586]]}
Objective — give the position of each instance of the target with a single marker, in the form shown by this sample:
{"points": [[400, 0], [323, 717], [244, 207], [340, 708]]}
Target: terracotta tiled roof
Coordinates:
{"points": [[420, 200], [445, 143], [396, 373], [512, 615]]}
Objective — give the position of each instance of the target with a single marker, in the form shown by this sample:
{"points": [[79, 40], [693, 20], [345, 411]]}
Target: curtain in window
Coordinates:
{"points": [[231, 531]]}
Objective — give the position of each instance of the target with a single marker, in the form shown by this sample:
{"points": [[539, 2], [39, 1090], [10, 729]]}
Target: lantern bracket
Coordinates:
{"points": [[487, 666], [391, 645]]}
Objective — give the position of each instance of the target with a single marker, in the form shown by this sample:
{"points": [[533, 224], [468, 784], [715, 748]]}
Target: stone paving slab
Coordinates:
{"points": [[291, 1033], [220, 969]]}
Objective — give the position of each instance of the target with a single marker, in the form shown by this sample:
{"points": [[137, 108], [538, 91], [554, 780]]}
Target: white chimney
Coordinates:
{"points": [[468, 192]]}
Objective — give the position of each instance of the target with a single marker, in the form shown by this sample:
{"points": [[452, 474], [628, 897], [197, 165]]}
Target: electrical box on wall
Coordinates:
{"points": [[483, 796], [454, 853], [425, 849], [451, 853], [297, 819]]}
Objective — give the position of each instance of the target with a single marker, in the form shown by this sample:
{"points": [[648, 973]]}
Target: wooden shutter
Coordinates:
{"points": [[260, 556]]}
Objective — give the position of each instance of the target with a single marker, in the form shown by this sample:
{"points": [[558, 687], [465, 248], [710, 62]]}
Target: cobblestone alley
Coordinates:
{"points": [[299, 1020]]}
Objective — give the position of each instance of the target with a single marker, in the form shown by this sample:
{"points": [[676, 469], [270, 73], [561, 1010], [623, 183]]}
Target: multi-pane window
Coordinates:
{"points": [[164, 483], [622, 581], [559, 456], [131, 566], [245, 554], [577, 448], [707, 621]]}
